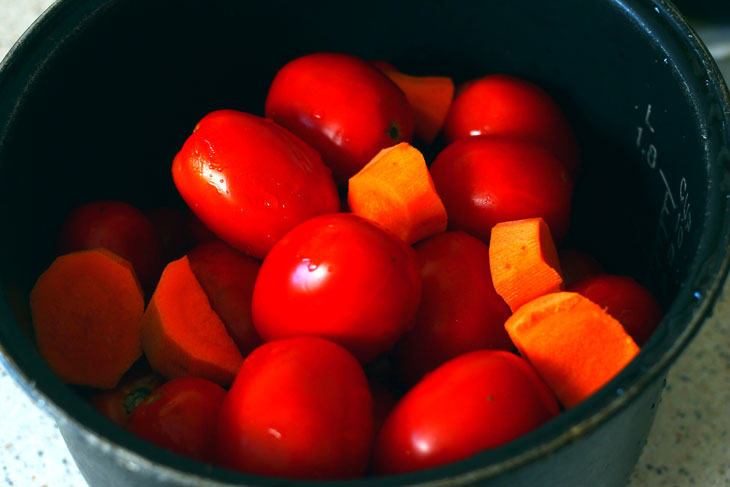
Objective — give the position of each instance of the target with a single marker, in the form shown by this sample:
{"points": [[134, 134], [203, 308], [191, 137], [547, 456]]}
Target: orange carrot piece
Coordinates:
{"points": [[86, 310], [182, 335], [395, 190], [430, 97], [575, 346], [523, 261]]}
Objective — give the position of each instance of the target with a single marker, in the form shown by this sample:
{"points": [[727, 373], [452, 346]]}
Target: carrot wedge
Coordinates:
{"points": [[395, 190], [430, 97], [182, 335], [523, 261], [575, 346], [86, 309]]}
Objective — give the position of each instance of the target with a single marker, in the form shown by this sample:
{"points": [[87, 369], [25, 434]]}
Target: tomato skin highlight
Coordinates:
{"points": [[459, 311], [626, 300], [300, 408], [483, 181], [181, 415], [250, 181], [476, 401], [504, 105], [342, 106], [340, 277]]}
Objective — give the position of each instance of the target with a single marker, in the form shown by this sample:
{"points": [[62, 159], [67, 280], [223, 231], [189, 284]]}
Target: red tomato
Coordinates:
{"points": [[626, 300], [486, 180], [120, 228], [459, 312], [298, 408], [118, 403], [339, 277], [575, 265], [476, 401], [228, 277], [181, 416], [343, 106], [504, 105], [250, 181]]}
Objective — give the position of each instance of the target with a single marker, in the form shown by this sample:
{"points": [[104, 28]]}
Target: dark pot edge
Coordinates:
{"points": [[594, 409]]}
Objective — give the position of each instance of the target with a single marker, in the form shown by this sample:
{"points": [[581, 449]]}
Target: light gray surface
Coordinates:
{"points": [[689, 444]]}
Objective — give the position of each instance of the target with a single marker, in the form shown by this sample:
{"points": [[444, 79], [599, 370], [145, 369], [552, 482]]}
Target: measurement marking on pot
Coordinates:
{"points": [[670, 231]]}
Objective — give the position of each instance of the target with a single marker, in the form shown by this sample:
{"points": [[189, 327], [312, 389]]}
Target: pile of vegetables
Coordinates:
{"points": [[336, 305]]}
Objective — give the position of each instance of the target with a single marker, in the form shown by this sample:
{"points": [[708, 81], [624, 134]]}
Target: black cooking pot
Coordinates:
{"points": [[97, 98]]}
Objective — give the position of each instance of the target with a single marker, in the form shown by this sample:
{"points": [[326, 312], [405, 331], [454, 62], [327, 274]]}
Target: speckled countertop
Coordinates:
{"points": [[689, 444]]}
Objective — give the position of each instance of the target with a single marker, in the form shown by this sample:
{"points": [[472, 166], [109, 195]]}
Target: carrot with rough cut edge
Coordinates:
{"points": [[396, 192], [429, 96], [182, 335], [575, 346], [523, 261], [86, 310]]}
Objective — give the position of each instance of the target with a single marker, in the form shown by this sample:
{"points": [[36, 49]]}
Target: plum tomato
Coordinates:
{"points": [[483, 181], [498, 104], [340, 277], [121, 228], [459, 312], [299, 407], [250, 181], [634, 306], [476, 401], [228, 277], [118, 403], [342, 106], [181, 416]]}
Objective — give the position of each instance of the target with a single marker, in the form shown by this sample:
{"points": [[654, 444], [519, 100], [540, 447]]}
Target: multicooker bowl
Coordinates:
{"points": [[96, 99]]}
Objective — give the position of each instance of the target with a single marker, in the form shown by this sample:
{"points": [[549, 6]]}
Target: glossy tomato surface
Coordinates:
{"points": [[250, 181], [476, 401], [342, 106], [459, 312], [227, 276], [483, 181], [505, 105], [181, 415], [300, 408], [340, 277], [121, 228], [626, 300]]}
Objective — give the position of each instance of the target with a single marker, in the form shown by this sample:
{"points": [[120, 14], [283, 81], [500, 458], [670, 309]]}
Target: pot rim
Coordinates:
{"points": [[689, 309]]}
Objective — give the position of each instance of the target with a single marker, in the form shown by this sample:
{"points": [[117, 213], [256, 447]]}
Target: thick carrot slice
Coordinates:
{"points": [[430, 97], [575, 346], [182, 335], [523, 261], [86, 309], [395, 190]]}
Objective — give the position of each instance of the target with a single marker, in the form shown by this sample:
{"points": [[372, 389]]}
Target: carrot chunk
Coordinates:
{"points": [[575, 346], [182, 335], [430, 97], [86, 310], [395, 190], [523, 261]]}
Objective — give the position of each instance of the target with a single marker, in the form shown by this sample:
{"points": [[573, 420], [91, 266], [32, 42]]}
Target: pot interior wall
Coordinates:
{"points": [[105, 114]]}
